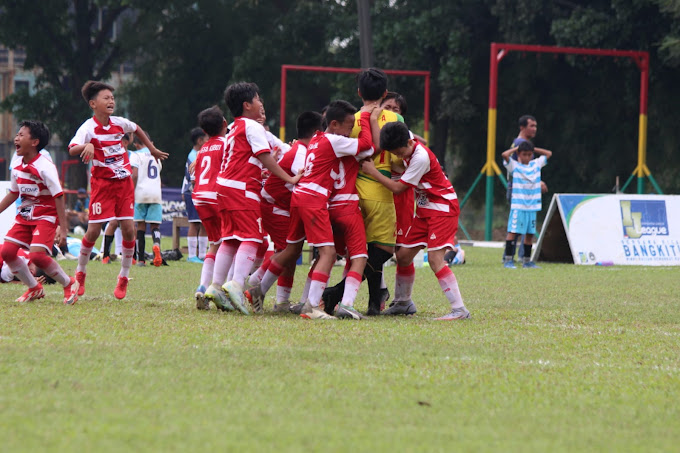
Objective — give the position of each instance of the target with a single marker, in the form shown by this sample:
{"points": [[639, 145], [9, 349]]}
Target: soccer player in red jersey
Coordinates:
{"points": [[275, 206], [404, 202], [434, 225], [239, 185], [309, 217], [204, 196], [349, 234], [99, 140], [35, 178]]}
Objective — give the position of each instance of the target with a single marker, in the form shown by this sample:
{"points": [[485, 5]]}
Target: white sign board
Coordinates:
{"points": [[621, 229], [6, 217]]}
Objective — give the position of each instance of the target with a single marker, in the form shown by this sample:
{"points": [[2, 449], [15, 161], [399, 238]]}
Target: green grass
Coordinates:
{"points": [[566, 358]]}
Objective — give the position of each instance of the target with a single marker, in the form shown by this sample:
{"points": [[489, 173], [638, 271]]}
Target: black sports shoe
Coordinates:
{"points": [[331, 297], [401, 307]]}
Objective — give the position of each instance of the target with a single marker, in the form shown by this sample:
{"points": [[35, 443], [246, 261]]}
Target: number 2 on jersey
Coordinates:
{"points": [[205, 167]]}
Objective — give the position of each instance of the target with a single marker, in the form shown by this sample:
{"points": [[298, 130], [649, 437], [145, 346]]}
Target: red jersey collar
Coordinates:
{"points": [[32, 160], [100, 124]]}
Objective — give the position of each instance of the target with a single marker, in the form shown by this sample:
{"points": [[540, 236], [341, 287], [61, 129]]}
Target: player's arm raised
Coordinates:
{"points": [[508, 152], [158, 154], [375, 128], [366, 133]]}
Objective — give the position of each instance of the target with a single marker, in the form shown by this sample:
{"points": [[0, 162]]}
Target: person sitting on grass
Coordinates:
{"points": [[526, 198]]}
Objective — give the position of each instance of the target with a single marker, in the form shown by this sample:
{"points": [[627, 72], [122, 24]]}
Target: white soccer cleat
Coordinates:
{"points": [[309, 312]]}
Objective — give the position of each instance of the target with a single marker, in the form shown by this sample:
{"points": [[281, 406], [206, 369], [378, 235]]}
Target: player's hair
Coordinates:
{"points": [[372, 84], [524, 120], [339, 110], [394, 135], [38, 131], [196, 133], [238, 93], [41, 273], [91, 89], [308, 123], [126, 137], [137, 140], [399, 99], [526, 145], [211, 120], [324, 121]]}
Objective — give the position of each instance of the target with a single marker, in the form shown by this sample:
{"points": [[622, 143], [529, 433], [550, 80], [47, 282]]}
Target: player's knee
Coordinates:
{"points": [[404, 256], [327, 251], [9, 251]]}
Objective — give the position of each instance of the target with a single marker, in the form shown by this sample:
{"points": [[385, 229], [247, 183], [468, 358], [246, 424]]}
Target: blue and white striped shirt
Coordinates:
{"points": [[526, 183]]}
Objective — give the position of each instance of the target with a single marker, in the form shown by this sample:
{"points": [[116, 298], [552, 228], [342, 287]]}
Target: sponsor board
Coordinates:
{"points": [[8, 215], [621, 229], [173, 206]]}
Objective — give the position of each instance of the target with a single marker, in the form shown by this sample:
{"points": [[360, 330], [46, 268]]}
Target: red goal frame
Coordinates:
{"points": [[288, 67]]}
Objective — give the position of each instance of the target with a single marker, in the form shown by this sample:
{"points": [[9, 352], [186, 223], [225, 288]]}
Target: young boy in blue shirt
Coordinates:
{"points": [[526, 198]]}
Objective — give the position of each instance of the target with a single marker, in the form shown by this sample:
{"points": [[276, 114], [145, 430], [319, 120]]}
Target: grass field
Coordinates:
{"points": [[566, 358]]}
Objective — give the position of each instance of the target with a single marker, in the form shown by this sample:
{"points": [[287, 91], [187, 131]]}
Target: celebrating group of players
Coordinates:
{"points": [[358, 184], [332, 188]]}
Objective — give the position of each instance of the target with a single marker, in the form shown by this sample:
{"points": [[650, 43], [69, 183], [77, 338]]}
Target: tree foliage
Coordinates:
{"points": [[68, 42], [186, 52]]}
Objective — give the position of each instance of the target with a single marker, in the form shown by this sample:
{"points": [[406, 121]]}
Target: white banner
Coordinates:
{"points": [[617, 229], [8, 215]]}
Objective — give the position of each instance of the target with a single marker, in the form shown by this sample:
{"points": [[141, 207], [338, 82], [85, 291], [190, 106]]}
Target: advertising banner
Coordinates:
{"points": [[173, 206], [8, 215], [612, 229]]}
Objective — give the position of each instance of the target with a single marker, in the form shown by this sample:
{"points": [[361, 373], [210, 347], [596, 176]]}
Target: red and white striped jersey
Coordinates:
{"points": [[208, 163], [345, 196], [323, 153], [240, 179], [110, 159], [37, 183], [276, 191], [434, 193]]}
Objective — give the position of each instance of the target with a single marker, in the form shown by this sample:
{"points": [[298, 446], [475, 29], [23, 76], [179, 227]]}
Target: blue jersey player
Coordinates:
{"points": [[526, 198]]}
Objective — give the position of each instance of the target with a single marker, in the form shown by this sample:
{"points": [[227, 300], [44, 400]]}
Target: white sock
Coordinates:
{"points": [[19, 268], [118, 239], [243, 262], [55, 271], [403, 284], [352, 284], [191, 243], [84, 257], [305, 289], [449, 284], [223, 261], [270, 276], [202, 246], [207, 270], [316, 287], [126, 262]]}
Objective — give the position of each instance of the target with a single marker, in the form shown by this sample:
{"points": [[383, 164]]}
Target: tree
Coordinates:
{"points": [[205, 45], [67, 42]]}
